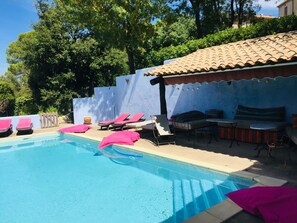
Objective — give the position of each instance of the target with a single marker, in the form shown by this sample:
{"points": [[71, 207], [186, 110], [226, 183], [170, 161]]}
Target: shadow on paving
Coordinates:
{"points": [[282, 164]]}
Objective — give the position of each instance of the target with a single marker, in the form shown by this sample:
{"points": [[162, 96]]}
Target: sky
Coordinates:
{"points": [[17, 16]]}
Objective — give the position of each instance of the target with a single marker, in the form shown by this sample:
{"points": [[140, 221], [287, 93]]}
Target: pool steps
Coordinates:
{"points": [[189, 198]]}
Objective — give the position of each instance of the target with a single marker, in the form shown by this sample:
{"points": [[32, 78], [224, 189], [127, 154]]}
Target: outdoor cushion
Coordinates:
{"points": [[188, 116], [75, 129], [5, 125], [273, 204], [122, 117], [261, 114], [24, 124], [121, 137], [192, 124]]}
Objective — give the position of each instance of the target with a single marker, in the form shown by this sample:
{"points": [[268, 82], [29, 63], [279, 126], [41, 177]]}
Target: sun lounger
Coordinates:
{"points": [[143, 124], [24, 124], [120, 125], [5, 126], [162, 132], [106, 124]]}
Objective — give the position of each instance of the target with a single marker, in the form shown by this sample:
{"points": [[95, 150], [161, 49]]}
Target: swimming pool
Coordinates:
{"points": [[62, 178]]}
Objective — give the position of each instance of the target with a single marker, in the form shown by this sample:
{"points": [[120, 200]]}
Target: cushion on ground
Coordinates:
{"points": [[121, 137], [75, 129], [273, 204]]}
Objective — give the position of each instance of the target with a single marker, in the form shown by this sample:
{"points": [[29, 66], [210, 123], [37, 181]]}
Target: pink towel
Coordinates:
{"points": [[122, 137], [75, 129], [273, 204]]}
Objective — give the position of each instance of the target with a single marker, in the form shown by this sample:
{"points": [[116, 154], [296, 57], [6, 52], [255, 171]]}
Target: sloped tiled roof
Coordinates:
{"points": [[265, 50]]}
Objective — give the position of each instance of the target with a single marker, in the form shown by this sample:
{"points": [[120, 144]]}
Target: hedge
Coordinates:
{"points": [[277, 25]]}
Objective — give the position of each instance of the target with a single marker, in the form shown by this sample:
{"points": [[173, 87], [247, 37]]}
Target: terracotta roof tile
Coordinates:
{"points": [[270, 49]]}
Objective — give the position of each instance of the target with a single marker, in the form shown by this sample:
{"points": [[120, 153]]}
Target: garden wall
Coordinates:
{"points": [[15, 119], [134, 93]]}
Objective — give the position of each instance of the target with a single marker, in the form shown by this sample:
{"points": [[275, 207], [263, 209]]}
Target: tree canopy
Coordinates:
{"points": [[77, 45]]}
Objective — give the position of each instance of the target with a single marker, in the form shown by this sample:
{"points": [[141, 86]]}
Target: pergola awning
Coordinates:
{"points": [[269, 56]]}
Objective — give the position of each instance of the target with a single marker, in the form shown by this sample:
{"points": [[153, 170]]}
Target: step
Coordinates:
{"points": [[211, 192], [199, 197], [188, 199], [178, 203]]}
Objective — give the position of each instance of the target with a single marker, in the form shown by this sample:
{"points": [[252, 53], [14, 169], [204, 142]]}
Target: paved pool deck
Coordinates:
{"points": [[194, 149]]}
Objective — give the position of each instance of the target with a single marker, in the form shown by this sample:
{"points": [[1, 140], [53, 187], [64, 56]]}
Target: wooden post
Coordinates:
{"points": [[162, 91]]}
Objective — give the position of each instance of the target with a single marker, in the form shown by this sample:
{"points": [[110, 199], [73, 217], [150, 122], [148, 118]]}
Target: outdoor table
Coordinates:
{"points": [[230, 122], [262, 127]]}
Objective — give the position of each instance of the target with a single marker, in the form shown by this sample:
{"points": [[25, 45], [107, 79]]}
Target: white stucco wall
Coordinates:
{"points": [[291, 8]]}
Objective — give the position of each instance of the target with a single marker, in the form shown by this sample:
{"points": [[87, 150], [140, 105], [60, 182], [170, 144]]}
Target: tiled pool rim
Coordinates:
{"points": [[218, 213]]}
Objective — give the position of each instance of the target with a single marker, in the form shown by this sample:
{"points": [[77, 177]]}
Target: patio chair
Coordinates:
{"points": [[24, 125], [5, 126], [106, 124], [121, 124], [162, 131]]}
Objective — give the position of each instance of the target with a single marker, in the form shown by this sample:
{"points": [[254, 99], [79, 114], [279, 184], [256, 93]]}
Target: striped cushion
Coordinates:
{"points": [[250, 135], [260, 114]]}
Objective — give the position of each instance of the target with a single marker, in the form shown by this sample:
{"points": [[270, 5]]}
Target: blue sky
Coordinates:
{"points": [[17, 16]]}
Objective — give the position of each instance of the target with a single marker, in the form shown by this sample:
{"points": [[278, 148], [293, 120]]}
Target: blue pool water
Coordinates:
{"points": [[60, 178]]}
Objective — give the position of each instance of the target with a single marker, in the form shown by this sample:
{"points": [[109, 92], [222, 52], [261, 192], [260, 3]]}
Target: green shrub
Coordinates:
{"points": [[7, 99], [277, 25]]}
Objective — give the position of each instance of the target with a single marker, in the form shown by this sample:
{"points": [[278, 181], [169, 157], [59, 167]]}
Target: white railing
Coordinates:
{"points": [[48, 120]]}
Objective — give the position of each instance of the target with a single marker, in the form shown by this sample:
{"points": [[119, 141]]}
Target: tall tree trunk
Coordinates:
{"points": [[240, 12], [131, 62], [231, 21], [196, 9]]}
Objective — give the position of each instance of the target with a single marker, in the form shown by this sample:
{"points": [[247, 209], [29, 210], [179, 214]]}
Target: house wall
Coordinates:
{"points": [[134, 93], [291, 8]]}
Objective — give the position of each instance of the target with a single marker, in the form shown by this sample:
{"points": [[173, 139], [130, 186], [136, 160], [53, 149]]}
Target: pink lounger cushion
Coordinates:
{"points": [[24, 124], [5, 125], [135, 118], [122, 117], [122, 137], [273, 204], [75, 129]]}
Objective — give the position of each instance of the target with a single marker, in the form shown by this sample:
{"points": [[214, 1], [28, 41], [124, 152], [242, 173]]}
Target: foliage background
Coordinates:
{"points": [[77, 45]]}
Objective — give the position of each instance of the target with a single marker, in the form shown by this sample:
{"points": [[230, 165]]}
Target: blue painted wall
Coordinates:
{"points": [[133, 93], [263, 93]]}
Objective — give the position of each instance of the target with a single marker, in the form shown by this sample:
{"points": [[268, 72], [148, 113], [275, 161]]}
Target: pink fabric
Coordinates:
{"points": [[273, 204], [122, 117], [76, 128], [5, 124], [122, 137], [135, 118], [24, 123]]}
